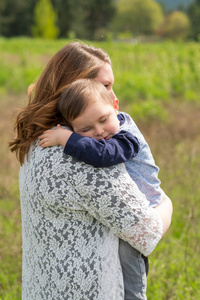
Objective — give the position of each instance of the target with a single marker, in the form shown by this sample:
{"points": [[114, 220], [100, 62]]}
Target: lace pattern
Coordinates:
{"points": [[72, 217]]}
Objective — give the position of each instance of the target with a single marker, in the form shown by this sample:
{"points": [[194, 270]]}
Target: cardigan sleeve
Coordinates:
{"points": [[64, 187], [121, 147], [72, 216], [110, 196]]}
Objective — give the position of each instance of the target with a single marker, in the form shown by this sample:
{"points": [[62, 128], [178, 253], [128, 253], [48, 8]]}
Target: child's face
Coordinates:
{"points": [[99, 121]]}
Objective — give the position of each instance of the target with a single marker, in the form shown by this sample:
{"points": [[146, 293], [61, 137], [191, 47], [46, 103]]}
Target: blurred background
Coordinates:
{"points": [[101, 20], [155, 51]]}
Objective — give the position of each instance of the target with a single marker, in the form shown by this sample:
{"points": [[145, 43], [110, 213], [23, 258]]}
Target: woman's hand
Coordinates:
{"points": [[54, 137], [165, 210]]}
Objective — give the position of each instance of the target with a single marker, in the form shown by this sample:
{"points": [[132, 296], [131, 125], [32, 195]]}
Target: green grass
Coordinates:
{"points": [[174, 265], [156, 72], [158, 84], [146, 75], [10, 245]]}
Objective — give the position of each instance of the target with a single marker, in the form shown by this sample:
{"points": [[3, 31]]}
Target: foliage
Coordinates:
{"points": [[155, 78], [139, 17], [146, 75], [83, 17], [176, 26], [45, 20], [78, 10], [171, 5], [88, 17], [15, 17], [10, 230], [64, 16], [194, 15], [93, 19], [174, 265], [10, 219]]}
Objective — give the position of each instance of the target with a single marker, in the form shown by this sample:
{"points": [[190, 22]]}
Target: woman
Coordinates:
{"points": [[72, 214]]}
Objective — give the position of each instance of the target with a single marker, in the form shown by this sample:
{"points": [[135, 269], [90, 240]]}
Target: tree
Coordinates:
{"points": [[64, 16], [45, 20], [139, 17], [194, 15], [83, 18], [15, 17], [176, 26], [78, 10], [99, 16], [87, 16]]}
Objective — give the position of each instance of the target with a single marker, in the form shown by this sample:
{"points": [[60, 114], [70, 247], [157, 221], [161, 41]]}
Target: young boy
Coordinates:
{"points": [[103, 137]]}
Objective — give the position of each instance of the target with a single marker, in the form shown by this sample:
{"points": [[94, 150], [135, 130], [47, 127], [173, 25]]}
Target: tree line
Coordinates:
{"points": [[98, 19]]}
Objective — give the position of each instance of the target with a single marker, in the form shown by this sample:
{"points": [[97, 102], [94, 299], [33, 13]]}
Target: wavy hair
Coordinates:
{"points": [[73, 61]]}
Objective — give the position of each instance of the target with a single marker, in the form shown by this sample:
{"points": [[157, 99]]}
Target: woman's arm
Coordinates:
{"points": [[111, 197], [108, 195], [165, 210]]}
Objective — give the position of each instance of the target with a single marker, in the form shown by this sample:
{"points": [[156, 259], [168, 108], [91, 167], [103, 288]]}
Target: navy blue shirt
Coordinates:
{"points": [[120, 148]]}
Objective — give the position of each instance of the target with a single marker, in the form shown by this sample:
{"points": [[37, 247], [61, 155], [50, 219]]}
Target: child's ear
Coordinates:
{"points": [[116, 105]]}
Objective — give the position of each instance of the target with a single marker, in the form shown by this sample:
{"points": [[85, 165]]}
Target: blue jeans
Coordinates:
{"points": [[134, 268]]}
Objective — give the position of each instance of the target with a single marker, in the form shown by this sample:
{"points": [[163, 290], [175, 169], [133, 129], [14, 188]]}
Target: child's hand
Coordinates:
{"points": [[58, 136]]}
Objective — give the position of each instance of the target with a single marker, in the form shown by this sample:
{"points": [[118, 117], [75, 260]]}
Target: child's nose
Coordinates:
{"points": [[99, 131]]}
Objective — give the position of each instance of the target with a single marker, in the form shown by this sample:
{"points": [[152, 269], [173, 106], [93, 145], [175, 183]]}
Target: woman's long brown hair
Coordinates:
{"points": [[72, 62]]}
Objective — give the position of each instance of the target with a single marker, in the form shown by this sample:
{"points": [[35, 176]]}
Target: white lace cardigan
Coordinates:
{"points": [[72, 218]]}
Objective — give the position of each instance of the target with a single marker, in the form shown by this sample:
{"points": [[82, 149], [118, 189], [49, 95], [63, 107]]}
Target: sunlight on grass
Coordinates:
{"points": [[158, 84]]}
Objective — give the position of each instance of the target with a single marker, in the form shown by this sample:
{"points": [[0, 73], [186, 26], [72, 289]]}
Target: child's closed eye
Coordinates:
{"points": [[85, 130], [103, 120]]}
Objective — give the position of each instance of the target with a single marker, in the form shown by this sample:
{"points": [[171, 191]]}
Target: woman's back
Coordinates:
{"points": [[71, 216], [65, 250]]}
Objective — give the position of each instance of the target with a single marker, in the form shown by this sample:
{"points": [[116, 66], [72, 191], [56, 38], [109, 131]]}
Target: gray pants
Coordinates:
{"points": [[134, 272]]}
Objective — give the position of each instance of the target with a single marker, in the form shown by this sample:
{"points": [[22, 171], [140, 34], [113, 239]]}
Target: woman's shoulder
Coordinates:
{"points": [[126, 117], [129, 125]]}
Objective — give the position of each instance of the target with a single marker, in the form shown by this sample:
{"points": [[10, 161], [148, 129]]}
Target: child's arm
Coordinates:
{"points": [[120, 148], [54, 137]]}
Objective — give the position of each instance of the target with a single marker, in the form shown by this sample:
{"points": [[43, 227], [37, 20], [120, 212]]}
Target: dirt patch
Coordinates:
{"points": [[183, 123]]}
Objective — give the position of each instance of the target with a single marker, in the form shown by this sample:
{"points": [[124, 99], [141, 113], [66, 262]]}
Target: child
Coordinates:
{"points": [[103, 137]]}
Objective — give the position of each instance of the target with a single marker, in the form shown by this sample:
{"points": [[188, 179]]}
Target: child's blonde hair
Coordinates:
{"points": [[76, 97]]}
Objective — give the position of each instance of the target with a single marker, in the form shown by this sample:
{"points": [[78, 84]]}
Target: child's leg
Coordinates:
{"points": [[134, 272]]}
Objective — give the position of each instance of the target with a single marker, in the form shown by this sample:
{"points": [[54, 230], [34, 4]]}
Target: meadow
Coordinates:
{"points": [[159, 85]]}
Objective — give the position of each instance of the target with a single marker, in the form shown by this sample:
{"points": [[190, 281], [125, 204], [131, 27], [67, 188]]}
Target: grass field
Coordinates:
{"points": [[159, 85]]}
